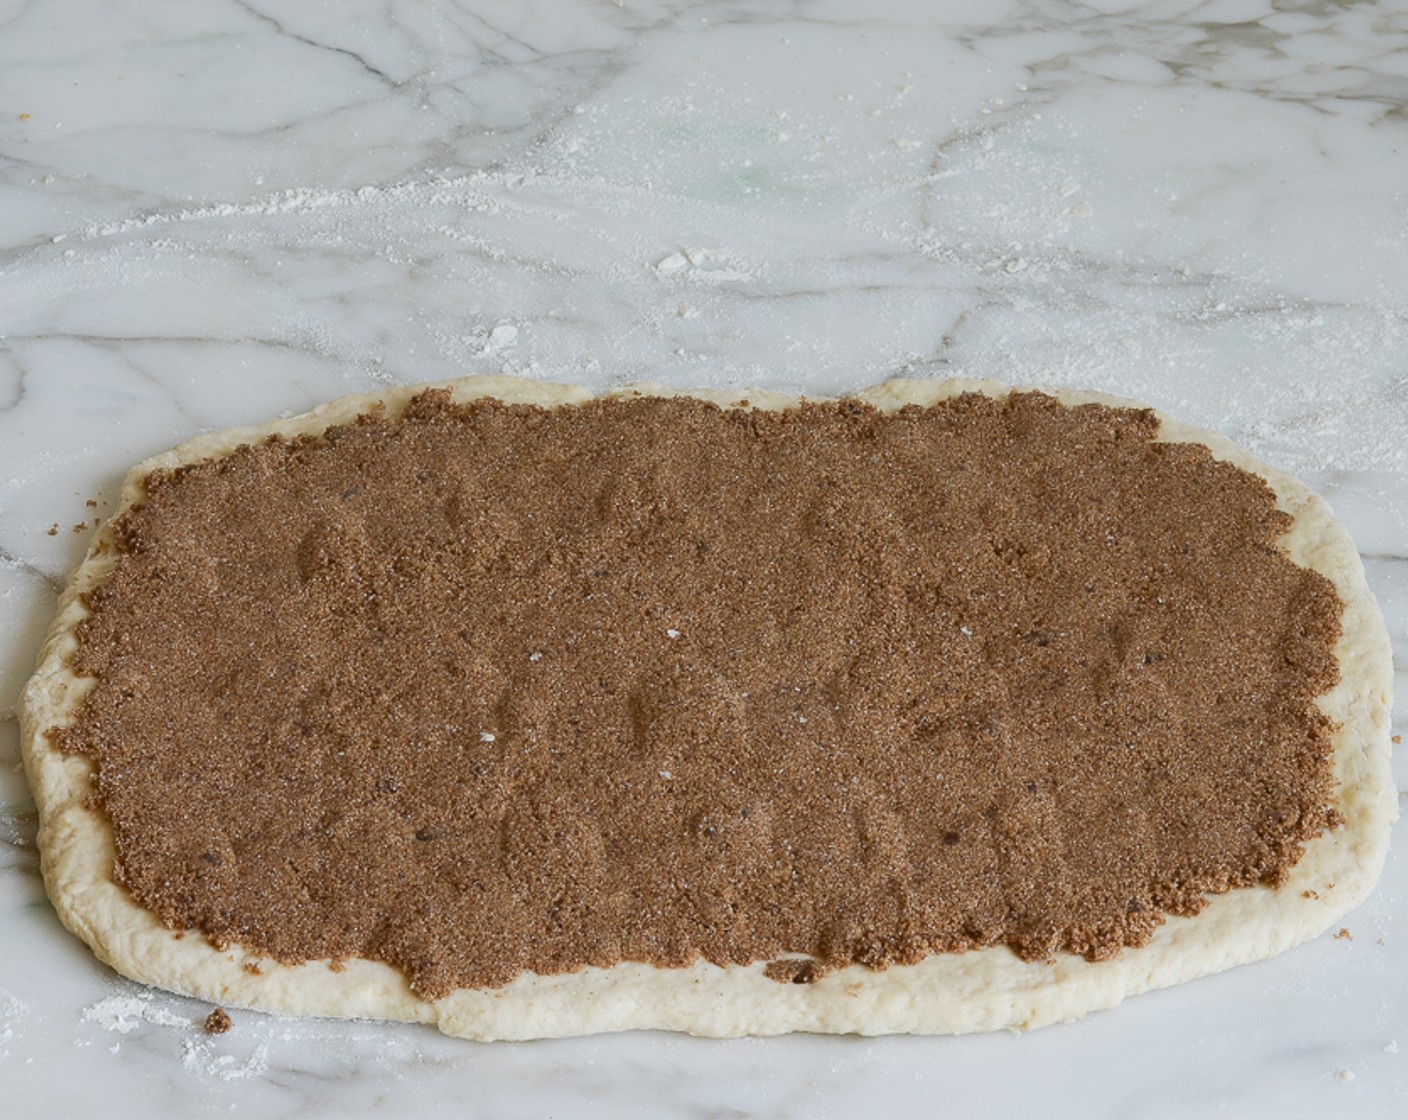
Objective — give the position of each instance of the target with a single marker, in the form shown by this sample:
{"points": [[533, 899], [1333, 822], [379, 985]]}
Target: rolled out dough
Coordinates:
{"points": [[943, 994]]}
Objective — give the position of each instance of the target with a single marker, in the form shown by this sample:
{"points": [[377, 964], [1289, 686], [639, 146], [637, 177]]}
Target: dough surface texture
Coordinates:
{"points": [[943, 994]]}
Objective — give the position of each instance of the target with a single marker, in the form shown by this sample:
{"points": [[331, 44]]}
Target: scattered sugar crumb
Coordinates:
{"points": [[1392, 1047], [1344, 1074], [535, 656], [672, 633], [1344, 935], [54, 529], [487, 736], [218, 1022]]}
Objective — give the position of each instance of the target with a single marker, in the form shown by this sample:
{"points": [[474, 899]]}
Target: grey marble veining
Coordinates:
{"points": [[221, 211]]}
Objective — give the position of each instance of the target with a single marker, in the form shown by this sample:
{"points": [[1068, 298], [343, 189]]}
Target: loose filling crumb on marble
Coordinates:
{"points": [[491, 688]]}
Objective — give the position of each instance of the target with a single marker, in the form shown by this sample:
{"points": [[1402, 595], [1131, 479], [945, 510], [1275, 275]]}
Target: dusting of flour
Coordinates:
{"points": [[200, 1056], [124, 1014], [12, 1010], [993, 247]]}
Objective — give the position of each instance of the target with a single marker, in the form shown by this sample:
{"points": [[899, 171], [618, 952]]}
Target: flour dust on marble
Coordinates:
{"points": [[1001, 241], [12, 1012]]}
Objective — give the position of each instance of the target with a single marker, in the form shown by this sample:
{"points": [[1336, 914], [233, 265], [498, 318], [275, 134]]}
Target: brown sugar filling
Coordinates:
{"points": [[490, 688]]}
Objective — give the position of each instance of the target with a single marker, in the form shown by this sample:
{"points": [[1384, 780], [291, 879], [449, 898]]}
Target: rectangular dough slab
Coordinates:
{"points": [[944, 994]]}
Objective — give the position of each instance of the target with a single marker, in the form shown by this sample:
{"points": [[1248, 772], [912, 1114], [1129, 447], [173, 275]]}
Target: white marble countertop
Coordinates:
{"points": [[216, 212]]}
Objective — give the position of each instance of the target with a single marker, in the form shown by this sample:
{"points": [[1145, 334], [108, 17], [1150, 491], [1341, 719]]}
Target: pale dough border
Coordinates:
{"points": [[945, 994]]}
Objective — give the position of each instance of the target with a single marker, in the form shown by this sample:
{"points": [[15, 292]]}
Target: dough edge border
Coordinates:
{"points": [[982, 990]]}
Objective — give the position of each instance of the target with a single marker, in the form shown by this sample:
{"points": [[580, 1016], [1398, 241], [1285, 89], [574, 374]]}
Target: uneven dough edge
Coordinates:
{"points": [[944, 994]]}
